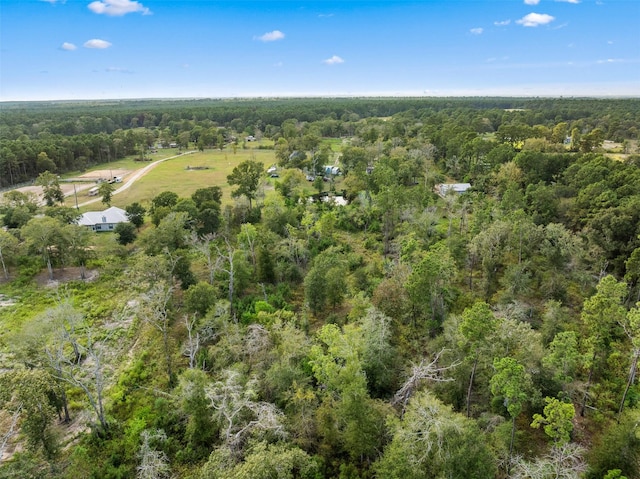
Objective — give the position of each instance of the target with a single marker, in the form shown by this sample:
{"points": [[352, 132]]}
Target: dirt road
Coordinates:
{"points": [[136, 176]]}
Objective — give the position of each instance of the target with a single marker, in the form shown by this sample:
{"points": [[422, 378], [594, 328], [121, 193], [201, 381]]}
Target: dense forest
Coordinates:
{"points": [[409, 333], [74, 136]]}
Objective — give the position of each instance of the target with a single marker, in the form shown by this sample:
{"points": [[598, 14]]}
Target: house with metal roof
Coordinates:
{"points": [[103, 220], [443, 188]]}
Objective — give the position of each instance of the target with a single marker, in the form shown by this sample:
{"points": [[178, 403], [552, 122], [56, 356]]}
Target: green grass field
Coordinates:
{"points": [[128, 163], [174, 175], [336, 143]]}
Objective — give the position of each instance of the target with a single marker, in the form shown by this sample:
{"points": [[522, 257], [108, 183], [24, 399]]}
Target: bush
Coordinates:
{"points": [[126, 233], [618, 448], [200, 297]]}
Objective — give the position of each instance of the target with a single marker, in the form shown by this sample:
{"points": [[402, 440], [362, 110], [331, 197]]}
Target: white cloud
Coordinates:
{"points": [[502, 23], [117, 8], [117, 70], [611, 60], [569, 1], [531, 2], [325, 15], [97, 43], [278, 64], [535, 19], [477, 31], [334, 60], [68, 46], [271, 36], [610, 42], [495, 59]]}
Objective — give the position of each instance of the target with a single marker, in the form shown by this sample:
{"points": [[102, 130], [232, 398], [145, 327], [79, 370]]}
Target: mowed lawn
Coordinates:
{"points": [[175, 175]]}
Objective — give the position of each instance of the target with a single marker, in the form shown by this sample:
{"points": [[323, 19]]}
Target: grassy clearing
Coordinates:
{"points": [[264, 143], [336, 143], [173, 175], [128, 163], [617, 156]]}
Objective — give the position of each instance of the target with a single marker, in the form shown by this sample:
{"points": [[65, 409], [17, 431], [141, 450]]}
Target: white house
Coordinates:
{"points": [[443, 188], [103, 220]]}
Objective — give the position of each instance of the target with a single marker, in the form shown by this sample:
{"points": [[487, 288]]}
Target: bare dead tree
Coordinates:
{"points": [[193, 339], [228, 399], [256, 341], [267, 418], [86, 373], [65, 319], [563, 462], [154, 310], [425, 371], [239, 414], [248, 236], [12, 430], [225, 263], [631, 327], [56, 362], [295, 247], [202, 244], [154, 464]]}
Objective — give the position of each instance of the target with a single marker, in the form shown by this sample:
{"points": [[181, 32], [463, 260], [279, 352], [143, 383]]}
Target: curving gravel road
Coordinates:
{"points": [[136, 176]]}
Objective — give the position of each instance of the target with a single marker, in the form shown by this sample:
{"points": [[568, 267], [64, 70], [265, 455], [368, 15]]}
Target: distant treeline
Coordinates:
{"points": [[66, 136]]}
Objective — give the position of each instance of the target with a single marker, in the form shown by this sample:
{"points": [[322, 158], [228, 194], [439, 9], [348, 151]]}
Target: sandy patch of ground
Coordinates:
{"points": [[97, 174], [6, 301], [36, 190], [69, 434], [63, 276], [68, 188], [630, 148]]}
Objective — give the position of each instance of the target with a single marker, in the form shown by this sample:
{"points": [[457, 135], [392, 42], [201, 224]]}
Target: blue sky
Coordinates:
{"points": [[102, 49]]}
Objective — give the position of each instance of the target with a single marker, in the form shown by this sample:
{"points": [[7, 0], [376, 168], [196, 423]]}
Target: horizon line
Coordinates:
{"points": [[325, 96]]}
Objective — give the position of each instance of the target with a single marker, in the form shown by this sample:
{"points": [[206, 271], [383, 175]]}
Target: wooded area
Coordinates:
{"points": [[277, 333]]}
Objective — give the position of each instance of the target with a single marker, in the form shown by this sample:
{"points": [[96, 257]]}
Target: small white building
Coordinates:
{"points": [[336, 200], [103, 220], [331, 170], [443, 188]]}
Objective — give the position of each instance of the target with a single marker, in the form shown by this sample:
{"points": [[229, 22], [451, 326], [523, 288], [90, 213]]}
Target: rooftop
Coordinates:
{"points": [[110, 215]]}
